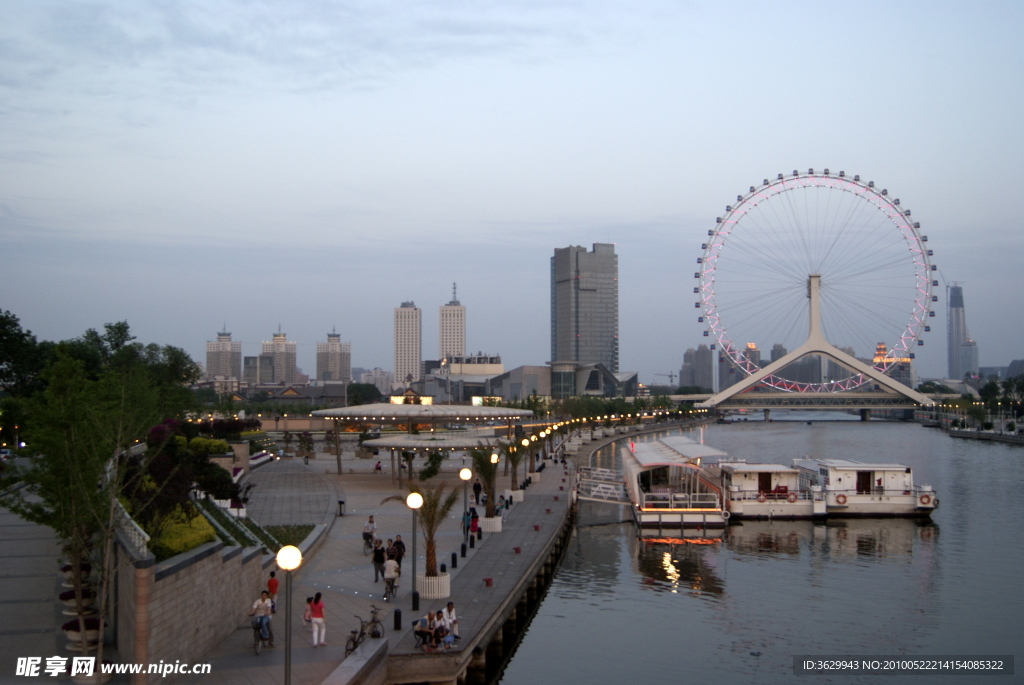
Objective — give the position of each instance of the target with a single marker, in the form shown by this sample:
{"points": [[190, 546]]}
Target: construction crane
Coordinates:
{"points": [[670, 376]]}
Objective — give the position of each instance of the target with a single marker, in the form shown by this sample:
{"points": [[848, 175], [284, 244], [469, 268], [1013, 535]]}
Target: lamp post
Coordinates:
{"points": [[414, 501], [289, 558], [465, 474]]}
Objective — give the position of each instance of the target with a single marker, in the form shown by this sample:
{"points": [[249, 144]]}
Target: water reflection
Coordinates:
{"points": [[838, 538], [676, 566]]}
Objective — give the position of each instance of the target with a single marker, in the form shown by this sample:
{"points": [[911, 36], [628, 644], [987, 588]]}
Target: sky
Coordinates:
{"points": [[187, 166]]}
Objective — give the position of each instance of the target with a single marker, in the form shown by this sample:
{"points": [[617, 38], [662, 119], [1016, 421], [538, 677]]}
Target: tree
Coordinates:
{"points": [[362, 393], [436, 507], [514, 457], [487, 471]]}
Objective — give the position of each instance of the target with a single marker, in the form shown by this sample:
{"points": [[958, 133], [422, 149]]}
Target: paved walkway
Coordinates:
{"points": [[285, 493]]}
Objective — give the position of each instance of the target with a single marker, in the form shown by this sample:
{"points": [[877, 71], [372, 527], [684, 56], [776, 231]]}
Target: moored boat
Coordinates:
{"points": [[763, 491], [853, 488]]}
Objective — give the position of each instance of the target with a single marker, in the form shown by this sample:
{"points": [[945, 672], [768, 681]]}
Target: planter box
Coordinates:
{"points": [[517, 495], [435, 587], [490, 525]]}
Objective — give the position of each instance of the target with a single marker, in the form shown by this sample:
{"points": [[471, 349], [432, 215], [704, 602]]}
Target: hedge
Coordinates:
{"points": [[180, 536]]}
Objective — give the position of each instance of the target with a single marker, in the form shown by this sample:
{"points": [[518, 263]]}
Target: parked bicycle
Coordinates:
{"points": [[374, 628]]}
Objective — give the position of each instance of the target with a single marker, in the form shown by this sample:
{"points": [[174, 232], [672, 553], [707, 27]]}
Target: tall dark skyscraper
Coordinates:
{"points": [[585, 305], [961, 350]]}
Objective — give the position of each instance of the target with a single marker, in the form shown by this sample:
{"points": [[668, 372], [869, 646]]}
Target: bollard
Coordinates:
{"points": [[455, 561], [444, 569], [398, 619], [463, 552], [517, 550], [480, 534], [341, 507], [536, 527], [488, 582], [472, 541], [416, 601]]}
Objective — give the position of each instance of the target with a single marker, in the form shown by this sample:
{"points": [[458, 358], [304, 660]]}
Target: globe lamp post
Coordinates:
{"points": [[465, 474], [289, 558], [414, 501]]}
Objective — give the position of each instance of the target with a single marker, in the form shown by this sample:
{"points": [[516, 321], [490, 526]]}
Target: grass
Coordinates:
{"points": [[226, 521], [290, 535], [262, 534]]}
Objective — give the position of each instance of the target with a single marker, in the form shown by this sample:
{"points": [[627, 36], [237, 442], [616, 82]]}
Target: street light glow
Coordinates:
{"points": [[414, 500], [289, 558], [466, 474]]}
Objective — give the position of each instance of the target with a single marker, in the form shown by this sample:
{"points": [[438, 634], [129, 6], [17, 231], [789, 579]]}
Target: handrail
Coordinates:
{"points": [[136, 537]]}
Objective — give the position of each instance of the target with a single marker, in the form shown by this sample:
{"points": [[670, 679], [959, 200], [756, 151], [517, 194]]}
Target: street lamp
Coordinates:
{"points": [[465, 474], [414, 501], [289, 558]]}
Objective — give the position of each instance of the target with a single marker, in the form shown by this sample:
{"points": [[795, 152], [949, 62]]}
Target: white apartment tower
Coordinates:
{"points": [[453, 329], [408, 350], [282, 351], [223, 357], [334, 359]]}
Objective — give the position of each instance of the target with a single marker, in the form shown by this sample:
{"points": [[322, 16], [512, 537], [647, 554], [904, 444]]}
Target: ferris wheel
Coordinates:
{"points": [[876, 277]]}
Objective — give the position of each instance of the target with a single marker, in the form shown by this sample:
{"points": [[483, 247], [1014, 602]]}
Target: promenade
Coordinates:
{"points": [[290, 492]]}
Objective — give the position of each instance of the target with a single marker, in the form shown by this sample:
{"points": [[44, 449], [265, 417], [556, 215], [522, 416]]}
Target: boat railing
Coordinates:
{"points": [[679, 500], [881, 491], [773, 496]]}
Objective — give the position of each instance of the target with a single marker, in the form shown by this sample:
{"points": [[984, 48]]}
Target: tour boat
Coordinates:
{"points": [[669, 492], [767, 491], [853, 488]]}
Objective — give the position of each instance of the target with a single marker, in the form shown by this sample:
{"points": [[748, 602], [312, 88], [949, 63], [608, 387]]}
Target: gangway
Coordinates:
{"points": [[601, 485]]}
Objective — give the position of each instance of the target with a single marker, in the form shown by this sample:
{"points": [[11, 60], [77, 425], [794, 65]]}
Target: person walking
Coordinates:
{"points": [[272, 584], [478, 487], [379, 557], [399, 550], [316, 611]]}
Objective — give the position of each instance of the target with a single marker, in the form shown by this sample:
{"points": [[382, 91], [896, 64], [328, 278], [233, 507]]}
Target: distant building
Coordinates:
{"points": [[1016, 368], [408, 344], [479, 364], [697, 370], [585, 306], [452, 327], [334, 359], [778, 352], [224, 358], [961, 350], [282, 353], [898, 368], [380, 378], [752, 354]]}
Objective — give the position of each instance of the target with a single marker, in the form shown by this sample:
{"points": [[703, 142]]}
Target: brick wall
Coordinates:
{"points": [[184, 606]]}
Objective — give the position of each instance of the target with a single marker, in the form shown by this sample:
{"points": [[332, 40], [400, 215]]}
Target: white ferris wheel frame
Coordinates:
{"points": [[880, 199]]}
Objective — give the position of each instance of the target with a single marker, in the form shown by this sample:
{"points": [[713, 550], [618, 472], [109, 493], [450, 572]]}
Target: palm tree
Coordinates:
{"points": [[487, 471], [515, 457], [436, 507]]}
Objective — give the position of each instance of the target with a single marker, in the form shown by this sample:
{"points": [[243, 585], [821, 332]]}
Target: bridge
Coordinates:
{"points": [[887, 393]]}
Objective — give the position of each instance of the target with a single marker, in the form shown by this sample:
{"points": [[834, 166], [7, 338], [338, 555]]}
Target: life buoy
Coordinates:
{"points": [[925, 500], [840, 499], [761, 497], [791, 497], [726, 515]]}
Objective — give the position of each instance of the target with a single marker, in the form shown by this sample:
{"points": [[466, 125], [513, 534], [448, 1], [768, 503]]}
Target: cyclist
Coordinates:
{"points": [[391, 573], [262, 608], [369, 532]]}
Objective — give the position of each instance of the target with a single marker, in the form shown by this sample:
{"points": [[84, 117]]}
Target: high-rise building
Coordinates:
{"points": [[961, 350], [408, 349], [224, 357], [585, 305], [281, 353], [452, 329], [778, 351], [752, 354], [703, 367], [378, 377], [334, 359]]}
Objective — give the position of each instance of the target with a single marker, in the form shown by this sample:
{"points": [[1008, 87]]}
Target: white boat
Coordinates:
{"points": [[669, 492], [767, 491], [853, 488]]}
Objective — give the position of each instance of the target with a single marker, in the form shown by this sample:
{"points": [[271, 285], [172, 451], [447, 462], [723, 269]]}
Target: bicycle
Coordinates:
{"points": [[374, 628], [257, 635], [367, 546], [390, 588]]}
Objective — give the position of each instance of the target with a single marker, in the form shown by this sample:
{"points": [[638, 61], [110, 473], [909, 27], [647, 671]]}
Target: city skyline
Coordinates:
{"points": [[179, 166]]}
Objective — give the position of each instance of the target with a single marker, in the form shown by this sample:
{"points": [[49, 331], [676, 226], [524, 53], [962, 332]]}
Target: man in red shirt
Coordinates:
{"points": [[272, 589]]}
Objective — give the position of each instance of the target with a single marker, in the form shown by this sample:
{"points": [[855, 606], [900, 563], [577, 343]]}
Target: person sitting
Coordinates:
{"points": [[442, 637], [451, 621], [377, 467], [424, 631]]}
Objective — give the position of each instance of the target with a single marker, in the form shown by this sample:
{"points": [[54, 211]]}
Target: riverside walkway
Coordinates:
{"points": [[290, 492]]}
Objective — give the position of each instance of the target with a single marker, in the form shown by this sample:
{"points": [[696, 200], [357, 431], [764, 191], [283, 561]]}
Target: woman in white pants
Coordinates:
{"points": [[316, 610]]}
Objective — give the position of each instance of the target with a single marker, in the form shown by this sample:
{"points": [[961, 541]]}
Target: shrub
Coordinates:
{"points": [[208, 446], [181, 535]]}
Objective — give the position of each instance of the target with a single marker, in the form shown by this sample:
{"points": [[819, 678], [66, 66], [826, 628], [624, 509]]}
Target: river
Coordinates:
{"points": [[738, 611]]}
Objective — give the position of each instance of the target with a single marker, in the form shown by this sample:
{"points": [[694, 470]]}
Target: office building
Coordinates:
{"points": [[408, 349], [334, 359], [380, 378], [961, 350], [279, 354], [452, 329], [585, 306], [224, 357]]}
